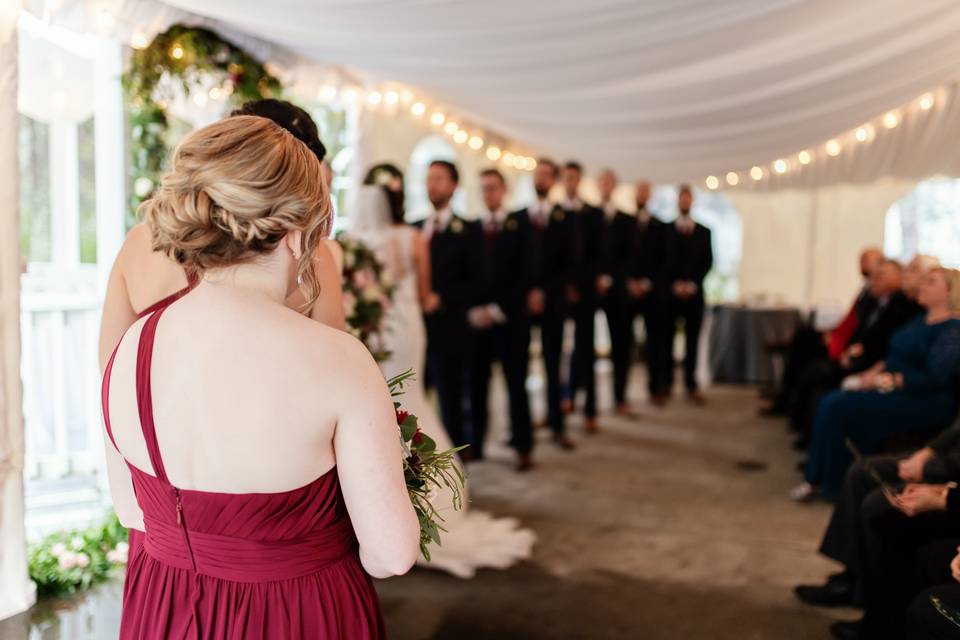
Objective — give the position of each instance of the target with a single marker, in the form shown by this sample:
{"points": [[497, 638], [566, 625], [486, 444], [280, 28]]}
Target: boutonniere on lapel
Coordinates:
{"points": [[456, 226], [510, 224]]}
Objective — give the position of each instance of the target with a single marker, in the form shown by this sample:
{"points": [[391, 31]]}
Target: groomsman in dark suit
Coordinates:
{"points": [[456, 256], [690, 258], [649, 293], [619, 238], [500, 327], [550, 276], [586, 238]]}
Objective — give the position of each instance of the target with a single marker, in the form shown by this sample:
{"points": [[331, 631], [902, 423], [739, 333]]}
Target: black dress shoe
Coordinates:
{"points": [[847, 630], [837, 592]]}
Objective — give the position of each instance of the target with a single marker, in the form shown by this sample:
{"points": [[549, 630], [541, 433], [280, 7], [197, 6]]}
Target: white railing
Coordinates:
{"points": [[64, 461]]}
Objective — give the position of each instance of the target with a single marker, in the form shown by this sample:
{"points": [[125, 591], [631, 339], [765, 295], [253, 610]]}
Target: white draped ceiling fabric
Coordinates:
{"points": [[671, 90]]}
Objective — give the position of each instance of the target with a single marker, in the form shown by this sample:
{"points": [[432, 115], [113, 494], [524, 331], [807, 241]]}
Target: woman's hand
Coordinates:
{"points": [[911, 469], [922, 498], [955, 566], [431, 303]]}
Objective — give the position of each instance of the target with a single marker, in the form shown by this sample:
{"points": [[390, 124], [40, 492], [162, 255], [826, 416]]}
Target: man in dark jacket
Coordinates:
{"points": [[689, 260], [456, 258], [500, 327]]}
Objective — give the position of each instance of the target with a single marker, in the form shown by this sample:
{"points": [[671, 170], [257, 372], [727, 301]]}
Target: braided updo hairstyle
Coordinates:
{"points": [[235, 189]]}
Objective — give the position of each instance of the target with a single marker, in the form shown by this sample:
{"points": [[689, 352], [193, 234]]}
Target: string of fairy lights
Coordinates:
{"points": [[829, 149], [460, 132]]}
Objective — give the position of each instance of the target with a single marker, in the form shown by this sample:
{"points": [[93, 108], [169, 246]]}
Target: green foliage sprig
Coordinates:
{"points": [[425, 470], [68, 561], [183, 56]]}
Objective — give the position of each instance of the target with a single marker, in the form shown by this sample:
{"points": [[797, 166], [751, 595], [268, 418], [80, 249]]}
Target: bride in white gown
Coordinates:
{"points": [[473, 539]]}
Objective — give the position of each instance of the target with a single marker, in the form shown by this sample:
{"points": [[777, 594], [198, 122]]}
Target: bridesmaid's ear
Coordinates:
{"points": [[294, 241]]}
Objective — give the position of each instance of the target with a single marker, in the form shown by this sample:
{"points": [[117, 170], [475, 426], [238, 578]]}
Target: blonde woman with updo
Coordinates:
{"points": [[143, 280], [255, 447]]}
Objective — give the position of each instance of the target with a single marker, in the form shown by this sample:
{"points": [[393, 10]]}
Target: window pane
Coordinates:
{"points": [[35, 236]]}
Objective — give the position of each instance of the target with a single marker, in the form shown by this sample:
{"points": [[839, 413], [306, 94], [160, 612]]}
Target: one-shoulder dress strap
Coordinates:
{"points": [[145, 394], [192, 281]]}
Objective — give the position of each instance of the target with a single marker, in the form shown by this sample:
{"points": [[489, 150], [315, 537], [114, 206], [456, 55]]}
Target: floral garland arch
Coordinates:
{"points": [[181, 56]]}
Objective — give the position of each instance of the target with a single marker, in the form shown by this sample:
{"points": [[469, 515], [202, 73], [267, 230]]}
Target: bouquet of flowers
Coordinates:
{"points": [[69, 561], [366, 294], [425, 470]]}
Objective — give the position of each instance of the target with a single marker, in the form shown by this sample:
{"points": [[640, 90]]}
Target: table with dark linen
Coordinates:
{"points": [[741, 338]]}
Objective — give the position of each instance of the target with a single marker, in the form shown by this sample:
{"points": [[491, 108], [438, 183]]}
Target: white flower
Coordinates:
{"points": [[123, 548], [349, 303], [116, 556], [67, 560], [372, 292], [142, 186], [58, 549], [83, 560], [76, 543]]}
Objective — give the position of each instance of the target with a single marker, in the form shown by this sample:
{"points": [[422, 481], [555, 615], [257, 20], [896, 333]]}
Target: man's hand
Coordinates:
{"points": [[431, 303], [573, 295], [479, 318], [604, 283], [922, 498], [911, 469], [536, 301]]}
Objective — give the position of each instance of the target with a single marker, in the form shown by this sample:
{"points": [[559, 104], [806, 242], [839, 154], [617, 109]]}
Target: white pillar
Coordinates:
{"points": [[64, 194], [111, 155], [17, 592]]}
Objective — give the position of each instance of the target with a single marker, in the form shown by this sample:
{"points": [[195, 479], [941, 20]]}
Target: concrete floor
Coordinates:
{"points": [[655, 529]]}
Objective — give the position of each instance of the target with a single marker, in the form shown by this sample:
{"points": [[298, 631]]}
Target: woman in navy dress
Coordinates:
{"points": [[917, 386]]}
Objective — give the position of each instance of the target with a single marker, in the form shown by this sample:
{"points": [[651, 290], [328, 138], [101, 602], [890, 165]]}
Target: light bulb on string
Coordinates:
{"points": [[176, 51], [438, 118], [493, 153], [733, 179], [475, 143], [712, 182], [891, 120], [756, 173], [139, 40], [418, 109], [833, 147], [391, 97], [864, 133], [406, 96], [508, 159], [451, 127], [926, 101], [460, 136], [374, 98], [780, 166], [327, 93], [804, 157], [350, 95]]}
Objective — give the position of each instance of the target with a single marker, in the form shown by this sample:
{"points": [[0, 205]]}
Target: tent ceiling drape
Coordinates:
{"points": [[669, 89]]}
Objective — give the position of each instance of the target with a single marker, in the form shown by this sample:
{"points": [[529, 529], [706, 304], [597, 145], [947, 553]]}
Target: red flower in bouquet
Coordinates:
{"points": [[402, 416], [418, 437]]}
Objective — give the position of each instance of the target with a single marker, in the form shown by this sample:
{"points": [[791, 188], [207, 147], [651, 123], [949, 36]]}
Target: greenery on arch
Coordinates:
{"points": [[184, 57]]}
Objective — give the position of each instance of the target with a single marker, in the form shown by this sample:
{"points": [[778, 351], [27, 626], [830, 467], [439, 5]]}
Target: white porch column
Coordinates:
{"points": [[17, 592], [64, 190], [111, 155]]}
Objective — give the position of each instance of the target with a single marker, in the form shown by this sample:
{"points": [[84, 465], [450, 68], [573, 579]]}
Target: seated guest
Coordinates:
{"points": [[933, 614], [808, 344], [914, 387], [869, 345], [863, 500], [913, 274]]}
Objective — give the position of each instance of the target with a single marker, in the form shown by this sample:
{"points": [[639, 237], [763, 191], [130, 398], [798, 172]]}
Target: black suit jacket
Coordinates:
{"points": [[586, 249], [508, 264], [456, 265], [689, 257], [650, 255], [618, 253], [550, 264]]}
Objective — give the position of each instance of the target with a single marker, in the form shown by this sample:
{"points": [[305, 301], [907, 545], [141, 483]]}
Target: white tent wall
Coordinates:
{"points": [[17, 593], [801, 245]]}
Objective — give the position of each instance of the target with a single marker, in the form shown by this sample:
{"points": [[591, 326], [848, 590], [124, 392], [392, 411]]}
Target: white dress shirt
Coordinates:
{"points": [[571, 205], [495, 219], [437, 222], [539, 212], [609, 211], [685, 224]]}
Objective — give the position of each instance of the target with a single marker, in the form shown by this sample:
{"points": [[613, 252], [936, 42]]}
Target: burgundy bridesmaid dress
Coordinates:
{"points": [[239, 566], [135, 535]]}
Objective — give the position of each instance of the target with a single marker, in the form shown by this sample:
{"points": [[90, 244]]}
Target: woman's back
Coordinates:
{"points": [[259, 448]]}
